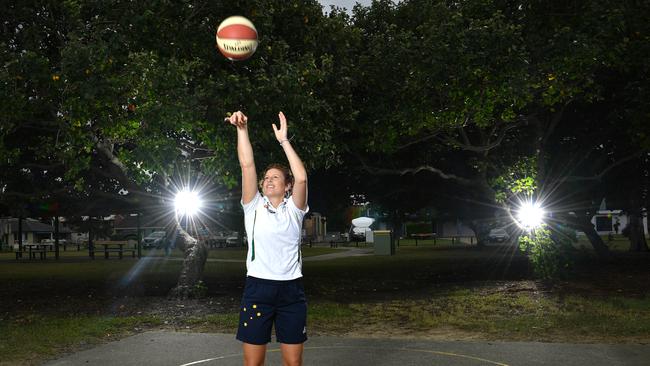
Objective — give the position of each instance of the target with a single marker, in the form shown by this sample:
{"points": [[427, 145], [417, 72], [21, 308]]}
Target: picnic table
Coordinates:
{"points": [[62, 243], [454, 238], [112, 246], [32, 250], [424, 236]]}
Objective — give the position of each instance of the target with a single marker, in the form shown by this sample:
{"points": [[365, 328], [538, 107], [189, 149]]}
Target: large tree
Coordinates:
{"points": [[108, 98], [467, 90], [593, 140]]}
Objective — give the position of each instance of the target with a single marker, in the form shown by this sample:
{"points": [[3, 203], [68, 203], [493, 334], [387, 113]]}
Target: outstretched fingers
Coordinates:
{"points": [[281, 133]]}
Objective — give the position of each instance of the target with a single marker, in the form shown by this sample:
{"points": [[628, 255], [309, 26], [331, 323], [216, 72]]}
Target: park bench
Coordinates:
{"points": [[112, 246], [31, 250], [21, 253], [41, 251]]}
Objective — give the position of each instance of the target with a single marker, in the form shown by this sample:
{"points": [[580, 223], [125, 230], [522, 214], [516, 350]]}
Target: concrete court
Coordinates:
{"points": [[176, 349]]}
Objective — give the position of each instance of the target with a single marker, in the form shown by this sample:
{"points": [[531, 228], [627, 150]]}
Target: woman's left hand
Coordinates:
{"points": [[281, 133]]}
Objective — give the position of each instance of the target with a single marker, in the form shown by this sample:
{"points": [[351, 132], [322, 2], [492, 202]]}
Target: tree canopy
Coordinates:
{"points": [[109, 97], [458, 106]]}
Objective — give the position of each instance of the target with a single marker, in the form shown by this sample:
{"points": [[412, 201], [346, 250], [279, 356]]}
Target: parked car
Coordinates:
{"points": [[498, 235], [333, 236], [52, 242], [358, 234], [233, 239], [157, 239], [79, 238]]}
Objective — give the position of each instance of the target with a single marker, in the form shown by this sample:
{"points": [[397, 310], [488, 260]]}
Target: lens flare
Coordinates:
{"points": [[530, 215], [187, 203]]}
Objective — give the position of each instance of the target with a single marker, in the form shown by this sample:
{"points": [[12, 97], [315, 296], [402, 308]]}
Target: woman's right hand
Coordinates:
{"points": [[238, 119]]}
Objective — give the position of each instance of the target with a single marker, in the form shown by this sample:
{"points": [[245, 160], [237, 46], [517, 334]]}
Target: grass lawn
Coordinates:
{"points": [[220, 253], [433, 291]]}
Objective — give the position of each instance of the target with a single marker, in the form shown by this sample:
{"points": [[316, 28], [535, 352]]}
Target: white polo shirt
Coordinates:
{"points": [[273, 235]]}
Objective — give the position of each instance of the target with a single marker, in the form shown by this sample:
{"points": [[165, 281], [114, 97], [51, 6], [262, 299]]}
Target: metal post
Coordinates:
{"points": [[91, 249], [56, 237], [139, 237], [20, 236]]}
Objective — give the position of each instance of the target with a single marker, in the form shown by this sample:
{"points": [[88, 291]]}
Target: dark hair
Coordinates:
{"points": [[288, 177]]}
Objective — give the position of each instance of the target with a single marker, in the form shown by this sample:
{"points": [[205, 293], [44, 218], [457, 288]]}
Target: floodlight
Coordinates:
{"points": [[530, 215], [187, 203]]}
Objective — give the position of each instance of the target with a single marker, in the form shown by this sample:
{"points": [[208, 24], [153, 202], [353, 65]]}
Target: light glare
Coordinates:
{"points": [[187, 203], [530, 215]]}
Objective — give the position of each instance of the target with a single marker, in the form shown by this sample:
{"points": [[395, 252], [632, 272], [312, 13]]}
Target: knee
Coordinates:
{"points": [[254, 356], [292, 358], [292, 361], [253, 361]]}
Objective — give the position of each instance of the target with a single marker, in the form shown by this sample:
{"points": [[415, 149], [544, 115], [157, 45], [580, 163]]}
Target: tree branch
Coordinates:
{"points": [[119, 170], [41, 166], [438, 172], [463, 134], [421, 139], [483, 148], [554, 122], [607, 169]]}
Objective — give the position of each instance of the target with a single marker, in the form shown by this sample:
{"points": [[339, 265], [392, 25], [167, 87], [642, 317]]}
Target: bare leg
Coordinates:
{"points": [[254, 354], [291, 354]]}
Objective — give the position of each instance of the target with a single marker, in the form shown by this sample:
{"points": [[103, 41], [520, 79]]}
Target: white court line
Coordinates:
{"points": [[210, 359]]}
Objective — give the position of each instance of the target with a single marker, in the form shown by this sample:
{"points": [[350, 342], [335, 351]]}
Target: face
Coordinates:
{"points": [[274, 183]]}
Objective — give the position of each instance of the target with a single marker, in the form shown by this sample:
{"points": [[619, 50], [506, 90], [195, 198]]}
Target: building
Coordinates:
{"points": [[126, 226], [33, 231], [314, 227], [613, 221]]}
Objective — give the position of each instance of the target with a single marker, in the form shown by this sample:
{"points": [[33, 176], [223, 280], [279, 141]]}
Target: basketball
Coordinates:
{"points": [[237, 38]]}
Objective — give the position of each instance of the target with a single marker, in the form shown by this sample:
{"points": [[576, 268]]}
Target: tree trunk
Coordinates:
{"points": [[482, 232], [397, 225], [596, 241], [583, 223], [637, 233], [189, 281]]}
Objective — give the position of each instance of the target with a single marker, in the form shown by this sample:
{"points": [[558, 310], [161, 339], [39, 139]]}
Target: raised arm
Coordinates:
{"points": [[245, 155], [299, 189]]}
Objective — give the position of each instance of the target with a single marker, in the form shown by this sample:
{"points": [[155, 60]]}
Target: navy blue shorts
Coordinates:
{"points": [[268, 302]]}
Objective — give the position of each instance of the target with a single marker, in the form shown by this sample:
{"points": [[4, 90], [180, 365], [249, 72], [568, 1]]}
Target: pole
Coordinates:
{"points": [[91, 249], [56, 237], [139, 236], [20, 235]]}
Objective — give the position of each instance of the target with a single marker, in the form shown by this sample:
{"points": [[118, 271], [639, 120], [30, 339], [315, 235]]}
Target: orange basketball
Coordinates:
{"points": [[237, 38]]}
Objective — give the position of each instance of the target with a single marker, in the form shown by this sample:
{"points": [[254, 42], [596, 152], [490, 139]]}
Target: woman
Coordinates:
{"points": [[274, 292]]}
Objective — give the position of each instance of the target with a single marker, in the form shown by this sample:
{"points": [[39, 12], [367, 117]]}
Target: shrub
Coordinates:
{"points": [[550, 252]]}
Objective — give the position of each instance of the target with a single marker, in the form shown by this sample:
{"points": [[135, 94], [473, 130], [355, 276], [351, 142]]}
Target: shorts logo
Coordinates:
{"points": [[304, 330]]}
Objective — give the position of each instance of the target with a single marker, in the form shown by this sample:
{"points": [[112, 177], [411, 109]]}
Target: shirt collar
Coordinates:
{"points": [[269, 206]]}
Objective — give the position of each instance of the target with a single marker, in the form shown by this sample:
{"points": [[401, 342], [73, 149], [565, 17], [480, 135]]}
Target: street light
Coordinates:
{"points": [[187, 203], [530, 215]]}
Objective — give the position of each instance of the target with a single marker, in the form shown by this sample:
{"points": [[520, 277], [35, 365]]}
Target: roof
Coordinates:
{"points": [[35, 226]]}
